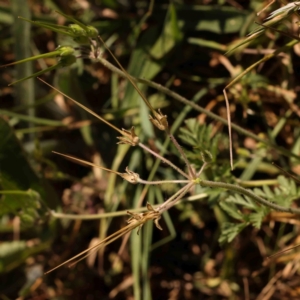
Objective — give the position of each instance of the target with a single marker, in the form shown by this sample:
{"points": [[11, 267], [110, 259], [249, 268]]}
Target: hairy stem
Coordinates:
{"points": [[249, 193]]}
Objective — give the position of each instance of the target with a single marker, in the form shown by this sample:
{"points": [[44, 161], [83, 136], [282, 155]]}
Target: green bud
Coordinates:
{"points": [[65, 51], [30, 211], [82, 35], [77, 30], [26, 219], [206, 156], [34, 195], [66, 61], [92, 32]]}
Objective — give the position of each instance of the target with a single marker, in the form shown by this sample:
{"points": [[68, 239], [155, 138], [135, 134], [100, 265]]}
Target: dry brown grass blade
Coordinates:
{"points": [[283, 251], [128, 76], [129, 175], [286, 173], [229, 125], [83, 107], [279, 31], [268, 5], [103, 243], [101, 246], [135, 221]]}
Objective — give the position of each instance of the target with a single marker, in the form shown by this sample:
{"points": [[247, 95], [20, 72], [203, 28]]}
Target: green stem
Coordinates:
{"points": [[25, 92], [32, 119], [21, 193], [250, 194], [256, 183], [58, 215]]}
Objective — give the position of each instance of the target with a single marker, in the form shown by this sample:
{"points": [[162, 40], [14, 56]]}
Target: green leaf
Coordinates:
{"points": [[240, 200], [283, 194], [16, 173], [212, 18], [199, 136], [14, 253], [170, 35], [12, 201], [31, 119], [205, 43], [232, 211], [257, 218], [229, 231], [9, 251]]}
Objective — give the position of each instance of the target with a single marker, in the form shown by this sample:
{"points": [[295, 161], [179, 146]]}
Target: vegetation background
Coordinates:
{"points": [[180, 45]]}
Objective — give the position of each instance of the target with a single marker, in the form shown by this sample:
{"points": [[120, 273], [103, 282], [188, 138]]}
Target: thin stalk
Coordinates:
{"points": [[106, 241], [130, 78], [137, 179], [191, 171], [268, 5], [287, 173], [128, 230], [84, 107], [163, 159], [202, 169], [250, 194], [84, 162], [137, 29], [229, 127], [159, 208], [162, 181], [173, 200], [283, 251]]}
